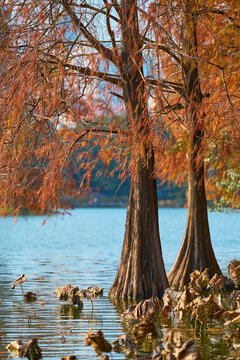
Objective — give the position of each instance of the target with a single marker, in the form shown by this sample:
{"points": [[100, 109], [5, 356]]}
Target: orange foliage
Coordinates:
{"points": [[63, 95], [213, 29]]}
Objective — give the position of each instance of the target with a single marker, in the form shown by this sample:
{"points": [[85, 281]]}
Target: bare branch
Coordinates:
{"points": [[93, 41]]}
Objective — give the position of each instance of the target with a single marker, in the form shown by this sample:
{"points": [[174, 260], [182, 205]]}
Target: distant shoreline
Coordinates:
{"points": [[117, 202]]}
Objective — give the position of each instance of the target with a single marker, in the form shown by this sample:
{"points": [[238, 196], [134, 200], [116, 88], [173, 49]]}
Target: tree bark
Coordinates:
{"points": [[196, 251], [141, 272]]}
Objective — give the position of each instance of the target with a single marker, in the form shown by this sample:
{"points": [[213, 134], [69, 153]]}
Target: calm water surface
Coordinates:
{"points": [[83, 249]]}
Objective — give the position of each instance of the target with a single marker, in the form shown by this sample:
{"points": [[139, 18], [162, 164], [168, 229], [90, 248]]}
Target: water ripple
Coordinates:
{"points": [[84, 250]]}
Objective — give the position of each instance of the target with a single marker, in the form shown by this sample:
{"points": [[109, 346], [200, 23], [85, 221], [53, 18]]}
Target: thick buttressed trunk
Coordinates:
{"points": [[141, 272], [196, 250]]}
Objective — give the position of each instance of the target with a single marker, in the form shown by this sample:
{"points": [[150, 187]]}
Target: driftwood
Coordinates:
{"points": [[179, 299], [188, 350], [167, 301]]}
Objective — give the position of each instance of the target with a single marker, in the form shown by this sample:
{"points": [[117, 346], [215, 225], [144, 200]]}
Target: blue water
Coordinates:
{"points": [[80, 249]]}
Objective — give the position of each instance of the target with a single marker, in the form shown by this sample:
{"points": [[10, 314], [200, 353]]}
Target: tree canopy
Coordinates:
{"points": [[62, 77], [152, 85]]}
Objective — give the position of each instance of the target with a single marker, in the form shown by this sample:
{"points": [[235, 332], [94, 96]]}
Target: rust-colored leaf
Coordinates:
{"points": [[176, 349], [97, 341], [144, 309], [182, 306], [205, 309], [16, 347], [234, 272], [69, 293], [91, 293], [30, 296], [216, 282], [31, 350], [144, 328], [235, 299], [124, 344], [234, 339], [198, 281]]}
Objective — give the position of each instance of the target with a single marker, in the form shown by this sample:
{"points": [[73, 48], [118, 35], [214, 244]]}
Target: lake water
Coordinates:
{"points": [[83, 249]]}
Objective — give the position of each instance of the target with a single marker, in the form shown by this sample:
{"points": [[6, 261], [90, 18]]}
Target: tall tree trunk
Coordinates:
{"points": [[196, 250], [141, 272]]}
